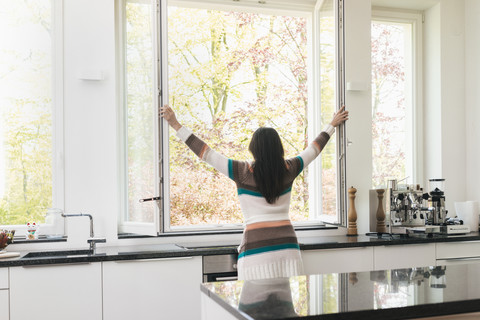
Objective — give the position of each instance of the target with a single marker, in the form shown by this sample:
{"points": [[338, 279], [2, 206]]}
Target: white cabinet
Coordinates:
{"points": [[166, 288], [449, 253], [404, 256], [4, 303], [3, 278], [69, 291], [338, 260], [211, 310]]}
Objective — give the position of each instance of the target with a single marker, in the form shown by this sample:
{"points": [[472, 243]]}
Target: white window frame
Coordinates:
{"points": [[414, 150], [58, 161], [161, 225]]}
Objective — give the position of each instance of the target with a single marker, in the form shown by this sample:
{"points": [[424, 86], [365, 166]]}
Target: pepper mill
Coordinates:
{"points": [[381, 228], [352, 213]]}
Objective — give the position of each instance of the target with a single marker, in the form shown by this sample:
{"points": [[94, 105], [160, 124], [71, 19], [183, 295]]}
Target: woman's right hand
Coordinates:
{"points": [[168, 114]]}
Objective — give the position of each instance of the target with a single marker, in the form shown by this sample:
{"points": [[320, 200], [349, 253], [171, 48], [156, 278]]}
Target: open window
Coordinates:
{"points": [[226, 68]]}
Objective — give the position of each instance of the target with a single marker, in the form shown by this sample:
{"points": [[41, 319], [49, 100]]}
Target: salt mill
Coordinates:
{"points": [[352, 213], [380, 212]]}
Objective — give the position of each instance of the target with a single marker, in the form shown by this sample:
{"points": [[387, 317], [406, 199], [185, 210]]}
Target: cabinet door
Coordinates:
{"points": [[337, 260], [458, 250], [152, 289], [3, 278], [404, 256], [4, 304], [69, 291]]}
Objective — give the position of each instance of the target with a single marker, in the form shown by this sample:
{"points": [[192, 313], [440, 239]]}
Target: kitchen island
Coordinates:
{"points": [[388, 294]]}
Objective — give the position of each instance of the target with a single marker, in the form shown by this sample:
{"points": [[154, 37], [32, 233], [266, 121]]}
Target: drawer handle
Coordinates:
{"points": [[152, 260], [55, 265], [460, 259]]}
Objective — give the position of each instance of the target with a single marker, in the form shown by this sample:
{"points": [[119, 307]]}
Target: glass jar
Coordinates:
{"points": [[54, 224]]}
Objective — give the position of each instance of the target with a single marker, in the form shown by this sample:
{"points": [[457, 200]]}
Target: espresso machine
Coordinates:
{"points": [[406, 208], [410, 210]]}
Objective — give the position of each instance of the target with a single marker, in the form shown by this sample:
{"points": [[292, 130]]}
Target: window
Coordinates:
{"points": [[396, 57], [31, 176], [226, 68]]}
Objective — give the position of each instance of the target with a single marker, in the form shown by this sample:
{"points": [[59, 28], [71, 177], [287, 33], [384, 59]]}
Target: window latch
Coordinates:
{"points": [[150, 199]]}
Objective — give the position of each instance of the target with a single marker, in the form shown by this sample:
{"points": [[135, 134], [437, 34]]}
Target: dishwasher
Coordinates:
{"points": [[221, 267]]}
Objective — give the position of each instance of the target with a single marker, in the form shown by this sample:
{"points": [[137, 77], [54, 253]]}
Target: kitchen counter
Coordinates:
{"points": [[113, 253], [389, 294]]}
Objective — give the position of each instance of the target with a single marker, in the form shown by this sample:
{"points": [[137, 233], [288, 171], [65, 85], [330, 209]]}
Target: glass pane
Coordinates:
{"points": [[328, 72], [229, 73], [391, 101], [26, 145], [140, 111]]}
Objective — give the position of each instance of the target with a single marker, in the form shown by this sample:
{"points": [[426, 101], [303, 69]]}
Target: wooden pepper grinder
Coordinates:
{"points": [[381, 228], [352, 213]]}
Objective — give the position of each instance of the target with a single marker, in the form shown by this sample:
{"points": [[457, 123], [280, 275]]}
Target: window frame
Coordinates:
{"points": [[415, 18], [161, 225], [57, 95]]}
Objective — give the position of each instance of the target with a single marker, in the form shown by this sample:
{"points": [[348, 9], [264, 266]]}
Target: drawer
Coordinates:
{"points": [[453, 250], [337, 260], [404, 256], [3, 278]]}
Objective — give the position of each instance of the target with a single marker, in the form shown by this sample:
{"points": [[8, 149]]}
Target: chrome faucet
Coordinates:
{"points": [[92, 240]]}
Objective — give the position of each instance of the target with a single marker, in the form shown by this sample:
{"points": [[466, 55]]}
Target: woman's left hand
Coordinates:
{"points": [[339, 117], [167, 113]]}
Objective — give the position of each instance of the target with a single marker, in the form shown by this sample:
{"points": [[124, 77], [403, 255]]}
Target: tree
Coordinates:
{"points": [[388, 103], [228, 55], [26, 114]]}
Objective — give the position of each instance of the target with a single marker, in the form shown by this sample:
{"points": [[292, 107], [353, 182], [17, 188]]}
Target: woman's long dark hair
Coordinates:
{"points": [[269, 168]]}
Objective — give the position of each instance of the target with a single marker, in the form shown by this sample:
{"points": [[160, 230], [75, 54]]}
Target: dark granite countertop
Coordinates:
{"points": [[388, 294], [113, 253], [383, 240]]}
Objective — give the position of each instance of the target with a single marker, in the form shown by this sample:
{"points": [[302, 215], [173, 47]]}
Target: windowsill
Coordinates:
{"points": [[22, 240], [214, 232]]}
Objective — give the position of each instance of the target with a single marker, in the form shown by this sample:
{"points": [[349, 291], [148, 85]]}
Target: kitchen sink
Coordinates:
{"points": [[63, 253]]}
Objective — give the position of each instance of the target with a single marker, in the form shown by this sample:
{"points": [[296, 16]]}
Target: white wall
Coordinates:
{"points": [[432, 97], [472, 98], [359, 105], [90, 118], [444, 108], [453, 101]]}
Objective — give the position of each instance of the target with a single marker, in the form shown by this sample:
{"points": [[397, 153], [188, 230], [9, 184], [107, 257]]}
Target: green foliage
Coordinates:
{"points": [[229, 73], [25, 112], [28, 146], [214, 72]]}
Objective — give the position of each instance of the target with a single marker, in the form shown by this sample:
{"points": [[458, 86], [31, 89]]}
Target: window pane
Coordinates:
{"points": [[26, 110], [229, 73], [140, 112], [391, 101], [328, 72]]}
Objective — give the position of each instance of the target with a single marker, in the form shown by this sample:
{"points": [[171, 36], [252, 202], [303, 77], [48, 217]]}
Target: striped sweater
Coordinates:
{"points": [[254, 206], [269, 247]]}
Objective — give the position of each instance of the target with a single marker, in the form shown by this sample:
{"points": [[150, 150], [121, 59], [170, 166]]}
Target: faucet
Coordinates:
{"points": [[92, 240]]}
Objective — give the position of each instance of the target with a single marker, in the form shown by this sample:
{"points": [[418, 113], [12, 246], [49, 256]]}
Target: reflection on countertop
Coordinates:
{"points": [[387, 294]]}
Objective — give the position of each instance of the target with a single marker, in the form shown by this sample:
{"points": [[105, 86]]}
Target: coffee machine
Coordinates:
{"points": [[437, 213], [411, 210], [406, 207], [436, 202]]}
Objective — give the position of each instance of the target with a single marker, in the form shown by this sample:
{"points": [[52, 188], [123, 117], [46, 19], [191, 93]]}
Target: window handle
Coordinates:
{"points": [[150, 199]]}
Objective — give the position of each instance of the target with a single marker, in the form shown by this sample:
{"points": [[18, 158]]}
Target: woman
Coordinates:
{"points": [[269, 248]]}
